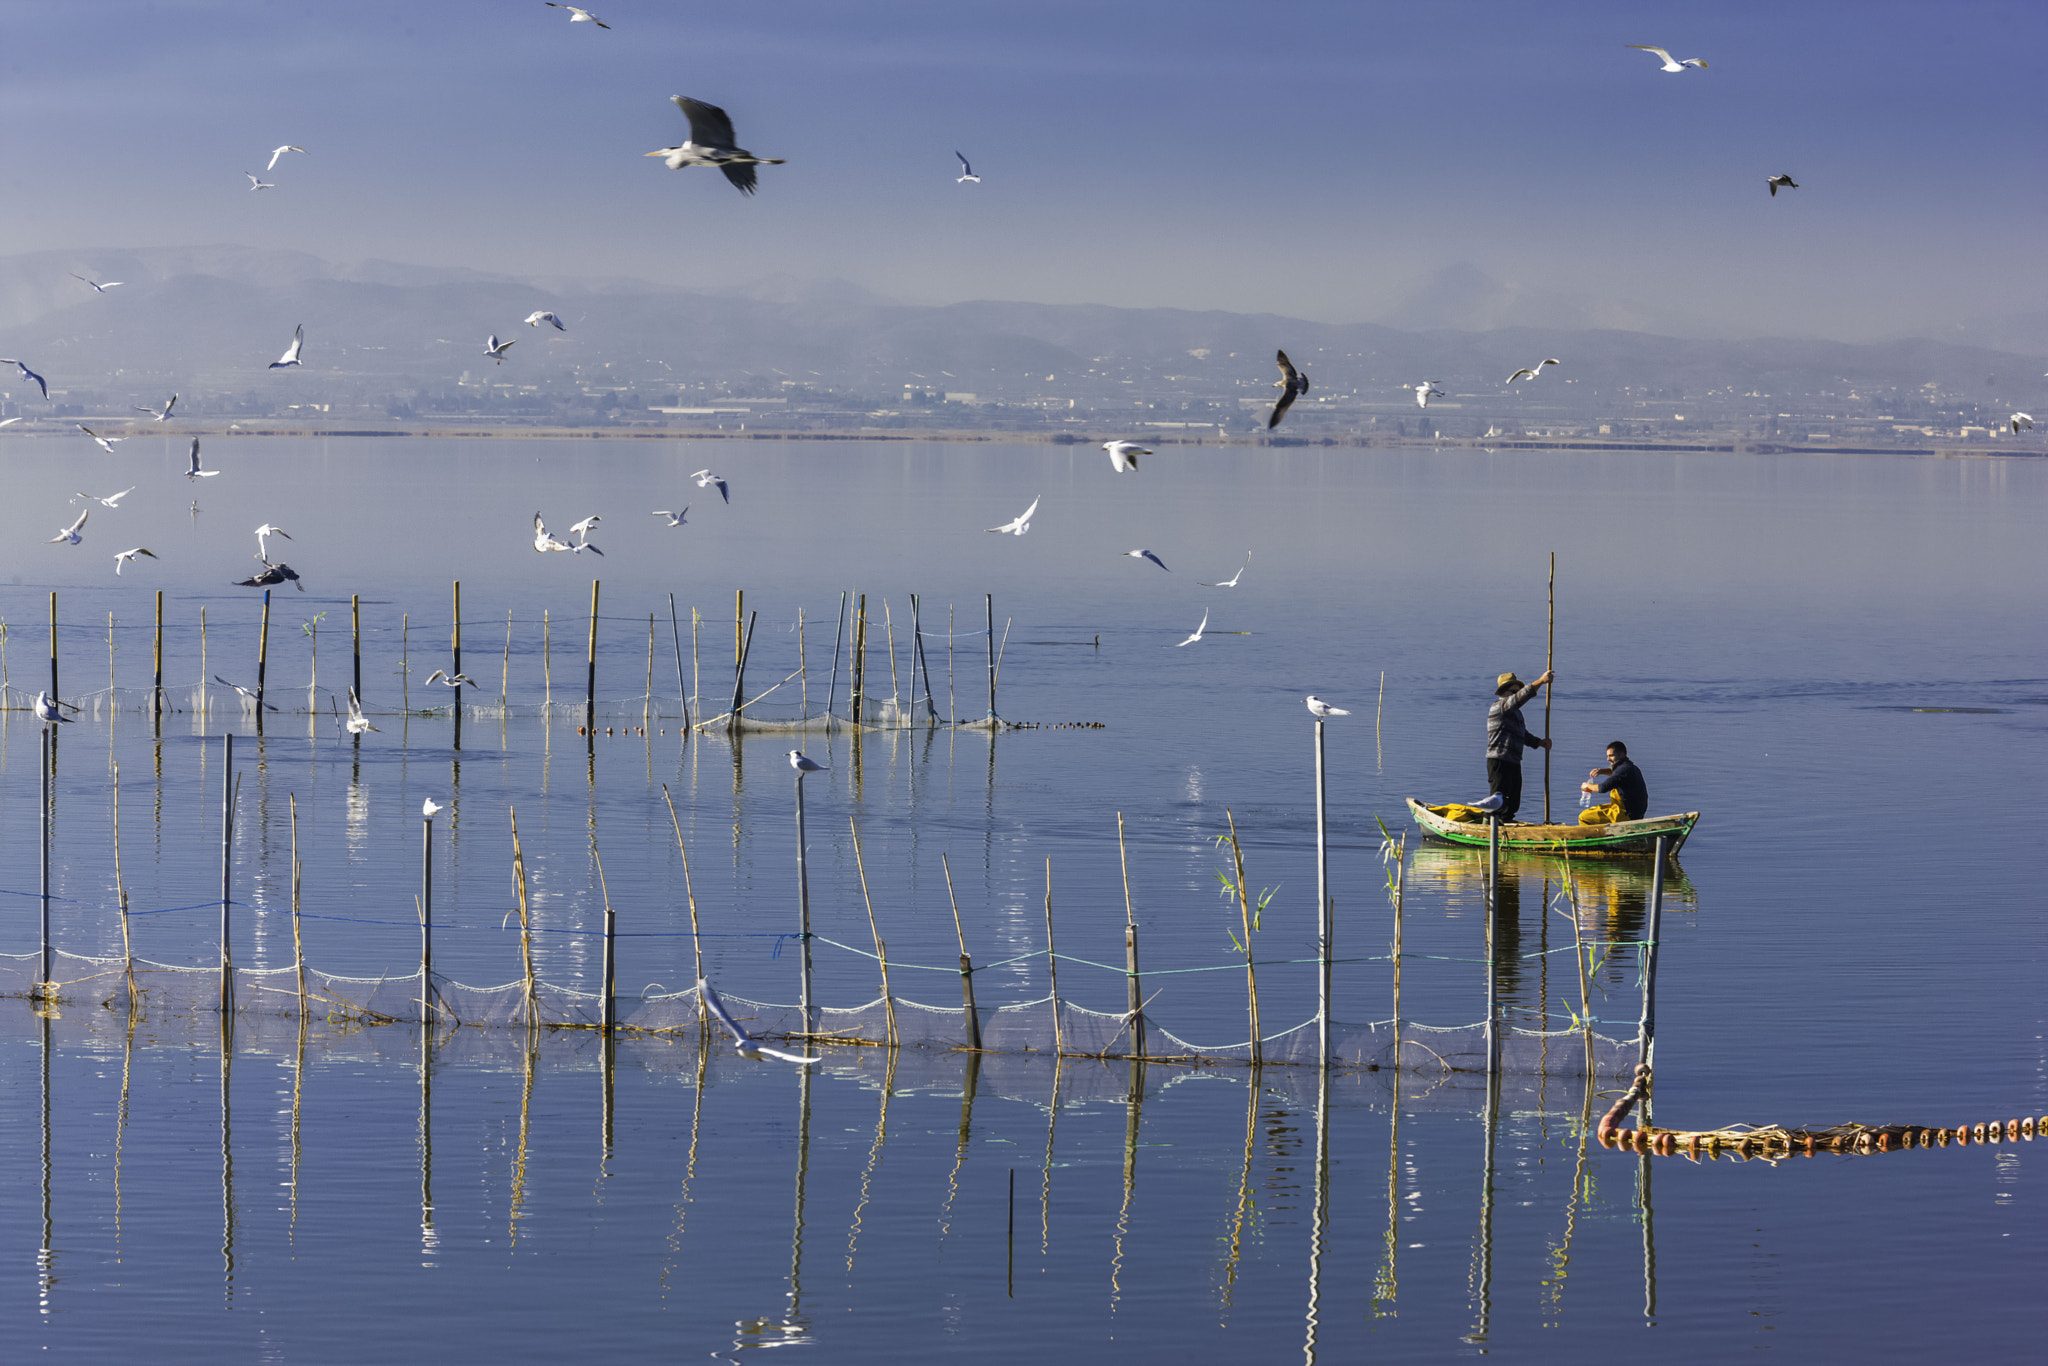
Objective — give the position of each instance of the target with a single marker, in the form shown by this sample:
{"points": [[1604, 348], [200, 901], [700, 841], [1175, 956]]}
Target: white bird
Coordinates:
{"points": [[966, 172], [263, 535], [1198, 630], [47, 712], [160, 414], [1123, 455], [357, 722], [536, 319], [542, 540], [1489, 804], [583, 543], [1146, 555], [1320, 708], [1531, 371], [798, 762], [582, 528], [195, 472], [97, 286], [707, 480], [8, 421], [742, 1040], [676, 518], [1017, 526], [247, 694], [447, 680], [496, 349], [1426, 391], [28, 374], [112, 500], [291, 353], [431, 808], [255, 183], [128, 555], [1670, 63], [2021, 422], [69, 535], [105, 443], [1777, 181], [711, 144], [579, 16], [1231, 582], [279, 152]]}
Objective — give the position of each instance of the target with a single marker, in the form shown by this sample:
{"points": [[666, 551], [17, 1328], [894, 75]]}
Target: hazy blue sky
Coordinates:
{"points": [[1315, 159]]}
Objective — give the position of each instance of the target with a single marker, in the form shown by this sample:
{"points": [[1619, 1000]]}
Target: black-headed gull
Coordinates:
{"points": [[1426, 391], [542, 540], [47, 712], [1016, 526], [1670, 63], [98, 288], [676, 518], [28, 374], [69, 535], [583, 528], [291, 353], [536, 319], [2021, 422], [1777, 182], [741, 1040], [1123, 455], [1231, 582], [707, 480], [966, 172], [801, 764], [496, 349], [431, 808], [112, 500], [1198, 630], [1146, 555], [1531, 371], [128, 555], [357, 722], [263, 535], [160, 414], [258, 183], [246, 694], [1319, 708], [1292, 385], [448, 680], [105, 443], [278, 153], [193, 471], [711, 144], [579, 16]]}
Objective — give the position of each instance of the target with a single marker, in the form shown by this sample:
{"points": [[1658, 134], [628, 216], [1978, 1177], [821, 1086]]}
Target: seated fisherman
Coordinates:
{"points": [[1593, 812], [1630, 794]]}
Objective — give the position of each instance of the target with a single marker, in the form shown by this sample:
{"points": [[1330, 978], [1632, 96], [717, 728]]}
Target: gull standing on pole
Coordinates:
{"points": [[105, 443], [160, 414], [1292, 384], [291, 353], [1776, 181], [966, 172], [28, 374], [1670, 63], [802, 765], [1426, 391], [579, 16], [536, 319], [1123, 455], [69, 535], [357, 722], [676, 518], [47, 713], [194, 472], [112, 500], [263, 535], [1146, 555], [1198, 630], [279, 152], [1016, 526], [431, 808], [1320, 709], [256, 183], [711, 144], [98, 288], [1231, 582], [128, 555], [741, 1040], [496, 349]]}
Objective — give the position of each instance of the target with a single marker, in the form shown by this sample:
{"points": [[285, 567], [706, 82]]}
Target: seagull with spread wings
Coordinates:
{"points": [[105, 443], [711, 144], [246, 694], [748, 1047], [194, 472], [966, 172], [1017, 526], [1670, 63], [1198, 631], [1778, 182], [1531, 371], [1231, 582], [160, 414], [1123, 455], [291, 353], [1426, 391], [579, 16], [69, 535], [28, 374], [496, 349], [279, 152], [1292, 385], [543, 316], [1146, 555], [676, 518], [707, 480], [258, 183], [112, 500], [357, 722], [98, 288], [126, 555]]}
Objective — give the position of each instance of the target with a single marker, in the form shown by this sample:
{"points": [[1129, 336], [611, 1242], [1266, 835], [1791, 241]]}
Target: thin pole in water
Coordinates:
{"points": [[875, 929], [590, 676], [547, 664], [1648, 1029], [803, 669], [924, 668], [1052, 969], [53, 647], [1323, 916], [1134, 998], [298, 941], [1549, 663], [832, 693], [426, 920], [966, 963], [611, 935], [455, 651], [857, 660], [676, 633], [990, 599], [355, 638], [43, 980], [1492, 914], [262, 656], [227, 840], [647, 703], [803, 903], [156, 687]]}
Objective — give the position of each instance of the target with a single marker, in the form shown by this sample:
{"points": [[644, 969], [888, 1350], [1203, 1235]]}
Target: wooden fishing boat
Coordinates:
{"points": [[1620, 839]]}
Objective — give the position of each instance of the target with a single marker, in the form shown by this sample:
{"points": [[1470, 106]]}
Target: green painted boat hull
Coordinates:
{"points": [[1622, 839]]}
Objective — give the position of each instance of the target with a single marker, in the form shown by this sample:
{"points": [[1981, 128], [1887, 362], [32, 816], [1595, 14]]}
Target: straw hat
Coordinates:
{"points": [[1507, 682]]}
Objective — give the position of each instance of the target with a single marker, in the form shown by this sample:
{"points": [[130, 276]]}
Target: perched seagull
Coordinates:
{"points": [[1146, 555], [128, 555], [1123, 455], [1231, 582], [676, 518], [1292, 385], [1426, 391], [2021, 422], [579, 16], [112, 500], [707, 480], [1489, 804], [496, 349], [542, 540], [742, 1040], [536, 319], [160, 414], [1531, 371], [69, 535], [28, 374], [47, 713], [581, 529], [1670, 63], [1198, 630], [291, 353], [451, 680], [263, 535], [98, 288], [272, 574], [105, 443], [279, 152], [1781, 180], [247, 694], [798, 762], [711, 144], [966, 172], [357, 722], [1019, 525], [255, 183], [1319, 708], [195, 472], [431, 808]]}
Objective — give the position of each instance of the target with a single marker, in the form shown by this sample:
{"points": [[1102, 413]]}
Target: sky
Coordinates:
{"points": [[1319, 159]]}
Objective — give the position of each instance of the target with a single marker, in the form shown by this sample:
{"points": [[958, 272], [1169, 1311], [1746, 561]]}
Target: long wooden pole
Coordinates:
{"points": [[298, 942], [590, 676], [838, 632], [611, 933], [1134, 999], [1322, 909], [1052, 969], [227, 843], [1648, 1028], [262, 656], [53, 647], [1549, 663], [803, 902], [689, 894], [156, 687], [875, 929], [675, 631], [990, 599], [1492, 915], [355, 636], [427, 921], [49, 744], [966, 964]]}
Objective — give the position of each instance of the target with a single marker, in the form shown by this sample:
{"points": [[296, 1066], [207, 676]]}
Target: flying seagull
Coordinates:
{"points": [[581, 529], [711, 144], [1426, 391], [542, 541], [430, 808], [1231, 582], [966, 172], [69, 535], [47, 713], [707, 480], [1292, 385], [98, 288], [160, 414], [8, 421], [263, 535], [801, 764], [279, 152], [357, 722], [536, 319], [1781, 180], [496, 349], [1123, 455], [451, 680], [128, 555], [28, 374], [2021, 422], [1670, 63], [195, 472], [1019, 525], [256, 183], [1320, 708], [1531, 371], [291, 353], [272, 574], [742, 1040], [579, 16], [583, 542], [676, 518], [105, 443], [247, 694], [1198, 630], [1146, 555], [112, 500]]}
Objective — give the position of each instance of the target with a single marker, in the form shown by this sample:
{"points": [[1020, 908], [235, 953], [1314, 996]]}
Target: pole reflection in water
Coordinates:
{"points": [[1561, 1255], [675, 1235], [227, 1154], [1319, 1218], [1482, 1268], [518, 1202], [969, 1078], [1052, 1120], [867, 1176], [1247, 1208], [1387, 1283], [46, 1254], [1134, 1106], [430, 1240], [792, 1327]]}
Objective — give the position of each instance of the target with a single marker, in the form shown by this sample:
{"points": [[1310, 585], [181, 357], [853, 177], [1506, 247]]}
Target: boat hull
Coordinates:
{"points": [[1620, 839]]}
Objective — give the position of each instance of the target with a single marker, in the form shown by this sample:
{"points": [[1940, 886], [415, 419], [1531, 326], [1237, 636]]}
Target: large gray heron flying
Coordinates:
{"points": [[711, 144]]}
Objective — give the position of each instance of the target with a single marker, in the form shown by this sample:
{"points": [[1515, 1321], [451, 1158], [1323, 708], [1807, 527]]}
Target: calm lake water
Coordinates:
{"points": [[1838, 661]]}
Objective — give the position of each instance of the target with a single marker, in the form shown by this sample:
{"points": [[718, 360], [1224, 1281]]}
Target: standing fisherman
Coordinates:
{"points": [[1506, 734]]}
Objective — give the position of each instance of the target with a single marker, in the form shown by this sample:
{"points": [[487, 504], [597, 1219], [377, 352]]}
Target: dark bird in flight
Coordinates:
{"points": [[1292, 385]]}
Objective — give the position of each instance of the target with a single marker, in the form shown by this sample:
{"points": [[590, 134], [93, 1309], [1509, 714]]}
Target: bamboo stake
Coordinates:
{"points": [[610, 1014], [739, 672], [739, 617], [121, 891], [1549, 663], [111, 701], [966, 964], [355, 636], [228, 787], [839, 631], [405, 661], [1647, 1029], [53, 648], [1251, 976], [921, 664], [696, 673], [1378, 711], [858, 658], [262, 656], [682, 694], [802, 668], [1134, 1003], [48, 760], [690, 893], [647, 703], [1400, 897], [205, 698], [505, 676], [298, 943], [590, 658], [1324, 913], [881, 953], [525, 924], [889, 635], [1052, 968], [990, 600], [547, 665]]}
